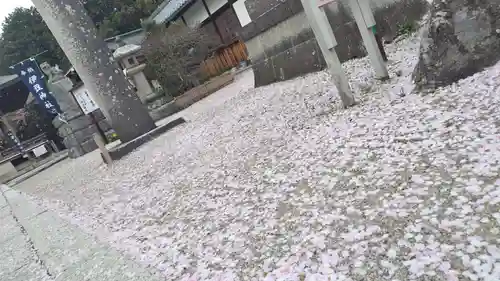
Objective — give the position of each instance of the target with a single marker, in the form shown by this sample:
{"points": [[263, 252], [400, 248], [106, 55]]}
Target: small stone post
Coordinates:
{"points": [[327, 42], [90, 56], [102, 147]]}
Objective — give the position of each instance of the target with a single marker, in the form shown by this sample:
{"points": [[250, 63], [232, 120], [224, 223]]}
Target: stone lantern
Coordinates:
{"points": [[133, 63]]}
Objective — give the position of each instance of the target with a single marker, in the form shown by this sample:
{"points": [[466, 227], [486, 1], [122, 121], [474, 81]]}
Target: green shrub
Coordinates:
{"points": [[407, 28]]}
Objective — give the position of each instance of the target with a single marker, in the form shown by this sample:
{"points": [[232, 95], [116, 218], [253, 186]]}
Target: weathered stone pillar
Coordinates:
{"points": [[76, 129], [89, 55]]}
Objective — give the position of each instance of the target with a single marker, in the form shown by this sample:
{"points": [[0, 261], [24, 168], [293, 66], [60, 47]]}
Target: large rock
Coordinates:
{"points": [[460, 38]]}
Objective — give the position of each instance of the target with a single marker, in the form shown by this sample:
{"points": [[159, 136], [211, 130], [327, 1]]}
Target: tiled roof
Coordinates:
{"points": [[168, 10], [8, 80], [126, 50]]}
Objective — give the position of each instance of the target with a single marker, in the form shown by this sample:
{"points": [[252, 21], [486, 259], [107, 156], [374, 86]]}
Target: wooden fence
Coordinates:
{"points": [[224, 59]]}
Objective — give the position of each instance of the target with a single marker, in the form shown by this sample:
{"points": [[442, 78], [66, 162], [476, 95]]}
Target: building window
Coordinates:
{"points": [[242, 12]]}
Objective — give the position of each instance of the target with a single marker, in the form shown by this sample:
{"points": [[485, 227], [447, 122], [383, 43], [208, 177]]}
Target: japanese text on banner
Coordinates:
{"points": [[32, 77]]}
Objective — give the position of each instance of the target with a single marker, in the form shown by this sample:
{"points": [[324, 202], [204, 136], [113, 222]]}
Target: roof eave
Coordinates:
{"points": [[175, 14], [9, 83], [158, 10]]}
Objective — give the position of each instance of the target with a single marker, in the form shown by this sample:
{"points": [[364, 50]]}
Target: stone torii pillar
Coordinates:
{"points": [[364, 19], [76, 34]]}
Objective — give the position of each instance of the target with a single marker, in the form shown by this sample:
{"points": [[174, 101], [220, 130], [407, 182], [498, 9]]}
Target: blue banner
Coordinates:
{"points": [[32, 76]]}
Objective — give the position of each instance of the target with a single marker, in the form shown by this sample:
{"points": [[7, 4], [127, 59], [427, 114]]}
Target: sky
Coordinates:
{"points": [[7, 6]]}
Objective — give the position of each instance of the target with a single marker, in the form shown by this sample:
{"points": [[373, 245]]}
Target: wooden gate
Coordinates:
{"points": [[224, 59]]}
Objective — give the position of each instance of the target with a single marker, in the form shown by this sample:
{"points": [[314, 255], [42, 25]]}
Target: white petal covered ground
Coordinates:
{"points": [[280, 183]]}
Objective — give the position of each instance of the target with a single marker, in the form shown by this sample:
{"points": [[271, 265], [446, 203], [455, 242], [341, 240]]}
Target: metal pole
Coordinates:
{"points": [[365, 21], [326, 40], [39, 54], [88, 53]]}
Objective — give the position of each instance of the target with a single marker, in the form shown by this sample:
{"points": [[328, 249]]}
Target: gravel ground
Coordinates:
{"points": [[280, 183]]}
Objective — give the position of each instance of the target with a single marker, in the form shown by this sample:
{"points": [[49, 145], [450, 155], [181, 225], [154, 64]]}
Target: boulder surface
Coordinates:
{"points": [[460, 38]]}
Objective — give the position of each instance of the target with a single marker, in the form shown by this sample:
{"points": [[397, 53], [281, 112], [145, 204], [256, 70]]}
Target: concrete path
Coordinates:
{"points": [[36, 244]]}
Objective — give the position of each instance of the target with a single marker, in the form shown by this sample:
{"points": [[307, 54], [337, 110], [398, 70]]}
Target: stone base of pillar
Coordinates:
{"points": [[78, 133]]}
